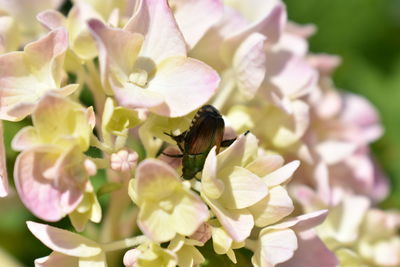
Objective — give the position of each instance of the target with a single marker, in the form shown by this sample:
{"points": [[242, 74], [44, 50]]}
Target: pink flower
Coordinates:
{"points": [[50, 174], [156, 75], [26, 76]]}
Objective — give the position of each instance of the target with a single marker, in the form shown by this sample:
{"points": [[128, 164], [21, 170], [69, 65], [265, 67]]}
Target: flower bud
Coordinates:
{"points": [[131, 257], [202, 234], [124, 160]]}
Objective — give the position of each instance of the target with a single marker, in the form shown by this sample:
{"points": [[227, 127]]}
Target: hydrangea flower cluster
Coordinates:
{"points": [[300, 189]]}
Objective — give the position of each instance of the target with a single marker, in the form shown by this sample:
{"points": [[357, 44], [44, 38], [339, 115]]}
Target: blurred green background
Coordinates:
{"points": [[365, 33]]}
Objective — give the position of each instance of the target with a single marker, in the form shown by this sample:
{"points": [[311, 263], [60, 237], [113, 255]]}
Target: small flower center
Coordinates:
{"points": [[167, 205], [138, 77]]}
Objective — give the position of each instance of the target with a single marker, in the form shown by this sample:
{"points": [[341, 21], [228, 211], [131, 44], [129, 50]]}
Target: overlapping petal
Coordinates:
{"points": [[27, 76], [51, 196], [162, 39], [169, 85], [194, 18], [274, 246], [69, 248], [167, 206]]}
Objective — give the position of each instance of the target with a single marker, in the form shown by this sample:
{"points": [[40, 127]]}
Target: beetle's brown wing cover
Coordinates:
{"points": [[206, 131]]}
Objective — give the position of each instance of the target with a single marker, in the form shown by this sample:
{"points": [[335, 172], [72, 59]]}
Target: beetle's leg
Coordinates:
{"points": [[180, 147], [178, 139], [228, 142], [173, 155]]}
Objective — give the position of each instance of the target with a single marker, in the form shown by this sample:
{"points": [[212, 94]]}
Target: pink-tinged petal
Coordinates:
{"points": [[273, 208], [303, 31], [282, 174], [25, 11], [155, 180], [21, 110], [303, 222], [118, 50], [301, 117], [249, 64], [271, 26], [291, 74], [14, 74], [231, 21], [292, 44], [307, 197], [332, 151], [3, 166], [274, 246], [194, 18], [324, 63], [310, 249], [238, 223], [380, 185], [64, 241], [358, 113], [242, 189], [132, 96], [47, 55], [25, 138], [154, 19], [28, 75], [346, 218], [185, 83], [321, 178], [57, 259], [51, 19], [265, 164], [48, 199]]}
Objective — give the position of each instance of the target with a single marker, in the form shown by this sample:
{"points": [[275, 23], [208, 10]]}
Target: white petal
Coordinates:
{"points": [[249, 64], [154, 19], [282, 174], [64, 241]]}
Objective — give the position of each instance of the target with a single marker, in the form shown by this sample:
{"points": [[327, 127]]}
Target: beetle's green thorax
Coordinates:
{"points": [[192, 164]]}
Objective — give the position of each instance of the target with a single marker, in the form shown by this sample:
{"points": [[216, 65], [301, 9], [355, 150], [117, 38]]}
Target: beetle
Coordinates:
{"points": [[206, 130]]}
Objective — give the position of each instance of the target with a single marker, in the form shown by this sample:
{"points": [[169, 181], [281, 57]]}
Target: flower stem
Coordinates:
{"points": [[94, 141], [251, 244], [125, 243]]}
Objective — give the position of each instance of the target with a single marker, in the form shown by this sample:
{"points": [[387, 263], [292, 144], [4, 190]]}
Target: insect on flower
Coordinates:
{"points": [[206, 130]]}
